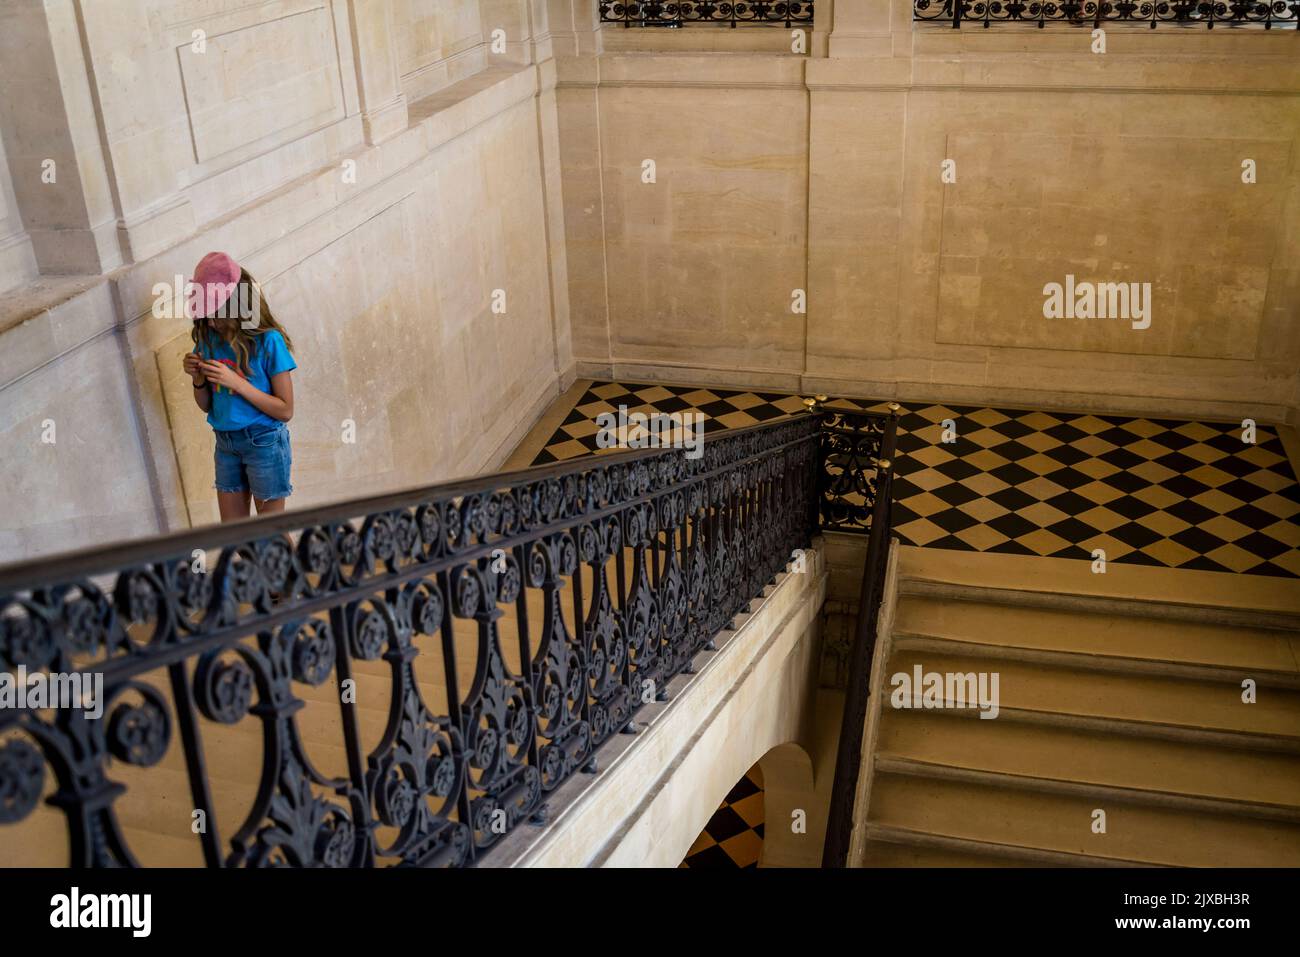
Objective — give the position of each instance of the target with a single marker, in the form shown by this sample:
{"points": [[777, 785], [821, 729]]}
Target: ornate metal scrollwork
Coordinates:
{"points": [[250, 631], [1096, 12]]}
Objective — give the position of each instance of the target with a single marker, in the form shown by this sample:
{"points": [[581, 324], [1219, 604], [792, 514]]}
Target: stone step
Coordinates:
{"points": [[1062, 823], [1091, 755]]}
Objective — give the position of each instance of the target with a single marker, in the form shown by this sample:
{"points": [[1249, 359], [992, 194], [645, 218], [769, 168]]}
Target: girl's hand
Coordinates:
{"points": [[218, 373], [191, 366]]}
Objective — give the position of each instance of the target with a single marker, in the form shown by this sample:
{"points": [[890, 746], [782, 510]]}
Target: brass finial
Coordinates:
{"points": [[810, 405], [884, 465], [893, 407]]}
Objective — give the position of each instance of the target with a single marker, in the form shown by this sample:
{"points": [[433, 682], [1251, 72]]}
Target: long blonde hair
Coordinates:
{"points": [[244, 299]]}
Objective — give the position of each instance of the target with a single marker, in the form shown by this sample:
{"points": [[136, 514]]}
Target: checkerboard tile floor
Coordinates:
{"points": [[733, 838], [1162, 492]]}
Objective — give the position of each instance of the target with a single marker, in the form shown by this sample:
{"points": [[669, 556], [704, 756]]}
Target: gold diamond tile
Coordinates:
{"points": [[1090, 424], [1102, 518], [922, 531], [1042, 514], [1234, 558], [1225, 528], [702, 843], [1038, 421], [928, 479], [929, 434], [937, 413], [567, 450], [1290, 561], [1217, 501], [1099, 492], [1113, 547], [654, 393], [1153, 473], [932, 455], [986, 484], [1169, 552], [981, 537], [580, 429], [985, 461], [1142, 427], [988, 417], [1209, 475], [608, 390], [1157, 495], [790, 403], [1040, 464], [1041, 488], [1275, 504], [1269, 480], [926, 504], [744, 848], [1164, 523], [1205, 454], [1196, 430], [1147, 449], [1260, 456], [1043, 542], [699, 397], [1096, 468], [746, 400], [981, 509], [1091, 445], [986, 438], [750, 809], [593, 409], [1040, 441], [1286, 532], [736, 420]]}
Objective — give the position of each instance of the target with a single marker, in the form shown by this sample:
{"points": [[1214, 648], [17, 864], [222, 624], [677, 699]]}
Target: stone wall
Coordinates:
{"points": [[381, 208], [777, 172]]}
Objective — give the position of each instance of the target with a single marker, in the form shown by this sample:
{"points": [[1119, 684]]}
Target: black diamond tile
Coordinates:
{"points": [[1130, 507], [1012, 499], [743, 788], [1012, 525], [1135, 535], [1013, 474], [725, 823], [1073, 530]]}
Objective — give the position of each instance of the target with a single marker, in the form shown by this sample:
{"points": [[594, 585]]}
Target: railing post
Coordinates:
{"points": [[848, 759]]}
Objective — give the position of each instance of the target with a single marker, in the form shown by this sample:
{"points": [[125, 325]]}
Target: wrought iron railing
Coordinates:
{"points": [[427, 632], [1094, 13], [856, 495], [656, 14]]}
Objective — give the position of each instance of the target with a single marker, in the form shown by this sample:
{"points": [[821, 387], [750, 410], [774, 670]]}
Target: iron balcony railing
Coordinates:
{"points": [[443, 608], [1095, 14], [657, 14]]}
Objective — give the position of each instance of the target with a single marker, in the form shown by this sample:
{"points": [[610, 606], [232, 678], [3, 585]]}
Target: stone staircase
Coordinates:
{"points": [[1119, 694]]}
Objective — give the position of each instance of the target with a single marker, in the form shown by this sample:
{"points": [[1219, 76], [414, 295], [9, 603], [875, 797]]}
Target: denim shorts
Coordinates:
{"points": [[255, 459]]}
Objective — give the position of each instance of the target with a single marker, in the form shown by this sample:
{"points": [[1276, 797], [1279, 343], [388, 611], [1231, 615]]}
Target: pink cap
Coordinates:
{"points": [[215, 278]]}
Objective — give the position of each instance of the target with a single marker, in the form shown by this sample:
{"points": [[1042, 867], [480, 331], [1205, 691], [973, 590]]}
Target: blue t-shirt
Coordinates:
{"points": [[269, 356]]}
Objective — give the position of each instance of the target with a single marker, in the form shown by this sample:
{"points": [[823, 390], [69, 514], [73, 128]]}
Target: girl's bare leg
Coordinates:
{"points": [[233, 505], [270, 507]]}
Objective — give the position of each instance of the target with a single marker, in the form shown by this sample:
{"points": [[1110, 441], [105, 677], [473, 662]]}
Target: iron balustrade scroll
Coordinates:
{"points": [[653, 14], [1095, 13], [856, 495], [477, 686]]}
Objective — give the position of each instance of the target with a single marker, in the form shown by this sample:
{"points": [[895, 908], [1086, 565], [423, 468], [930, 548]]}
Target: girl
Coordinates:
{"points": [[240, 369]]}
